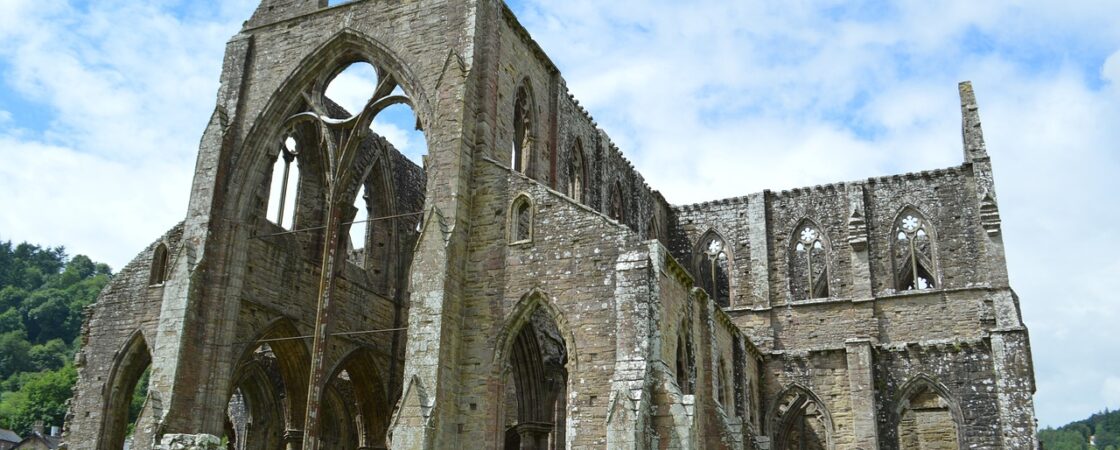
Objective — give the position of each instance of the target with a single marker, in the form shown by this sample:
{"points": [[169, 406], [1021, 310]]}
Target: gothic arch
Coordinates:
{"points": [[321, 65], [685, 373], [616, 202], [577, 172], [521, 313], [799, 420], [370, 403], [913, 251], [809, 259], [713, 263], [131, 361], [161, 265], [293, 360], [524, 143], [264, 425], [533, 360], [521, 218], [942, 423]]}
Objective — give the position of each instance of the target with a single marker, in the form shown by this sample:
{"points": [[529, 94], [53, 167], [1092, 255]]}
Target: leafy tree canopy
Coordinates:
{"points": [[42, 294]]}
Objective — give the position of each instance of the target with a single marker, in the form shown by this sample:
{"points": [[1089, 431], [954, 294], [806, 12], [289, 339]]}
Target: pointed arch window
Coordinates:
{"points": [[714, 268], [685, 360], [616, 209], [927, 416], [808, 262], [653, 230], [721, 383], [576, 173], [913, 252], [800, 421], [522, 131], [160, 262], [521, 220], [285, 180]]}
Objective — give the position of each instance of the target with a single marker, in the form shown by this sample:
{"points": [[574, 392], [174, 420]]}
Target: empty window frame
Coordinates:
{"points": [[808, 262], [913, 252]]}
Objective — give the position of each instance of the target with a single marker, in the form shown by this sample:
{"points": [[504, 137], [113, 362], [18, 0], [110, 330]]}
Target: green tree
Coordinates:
{"points": [[42, 398], [42, 297], [49, 356], [10, 321], [47, 314], [14, 350]]}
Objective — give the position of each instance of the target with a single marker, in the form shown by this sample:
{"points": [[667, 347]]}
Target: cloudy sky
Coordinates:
{"points": [[102, 105]]}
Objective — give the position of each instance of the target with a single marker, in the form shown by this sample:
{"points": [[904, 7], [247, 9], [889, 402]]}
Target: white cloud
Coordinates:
{"points": [[110, 171], [1111, 69]]}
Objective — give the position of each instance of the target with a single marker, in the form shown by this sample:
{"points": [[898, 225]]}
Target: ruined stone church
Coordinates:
{"points": [[520, 286]]}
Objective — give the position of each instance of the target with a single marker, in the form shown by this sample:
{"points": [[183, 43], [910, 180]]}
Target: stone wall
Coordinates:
{"points": [[430, 307]]}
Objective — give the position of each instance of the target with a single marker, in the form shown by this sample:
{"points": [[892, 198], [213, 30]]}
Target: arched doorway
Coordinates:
{"points": [[800, 421], [536, 385], [130, 367], [927, 417]]}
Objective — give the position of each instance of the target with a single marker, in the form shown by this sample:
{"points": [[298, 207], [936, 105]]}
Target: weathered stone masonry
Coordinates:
{"points": [[525, 288]]}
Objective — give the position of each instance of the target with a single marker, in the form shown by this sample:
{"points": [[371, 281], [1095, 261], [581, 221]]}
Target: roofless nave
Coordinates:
{"points": [[525, 288]]}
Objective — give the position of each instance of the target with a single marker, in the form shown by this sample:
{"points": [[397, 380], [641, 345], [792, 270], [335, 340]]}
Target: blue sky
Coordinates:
{"points": [[102, 105]]}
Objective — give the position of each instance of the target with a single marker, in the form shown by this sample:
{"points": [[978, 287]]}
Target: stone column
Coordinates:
{"points": [[861, 379], [293, 439], [534, 436]]}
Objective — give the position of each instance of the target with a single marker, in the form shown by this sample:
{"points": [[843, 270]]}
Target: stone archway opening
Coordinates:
{"points": [[926, 420], [801, 422], [127, 393], [536, 386]]}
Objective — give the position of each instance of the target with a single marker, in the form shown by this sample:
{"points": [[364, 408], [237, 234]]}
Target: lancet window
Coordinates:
{"points": [[160, 262], [522, 131], [616, 208], [714, 268], [808, 263], [521, 220], [685, 360], [285, 180], [576, 173], [913, 252]]}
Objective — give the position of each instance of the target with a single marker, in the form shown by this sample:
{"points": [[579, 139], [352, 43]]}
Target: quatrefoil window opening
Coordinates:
{"points": [[913, 253], [808, 265]]}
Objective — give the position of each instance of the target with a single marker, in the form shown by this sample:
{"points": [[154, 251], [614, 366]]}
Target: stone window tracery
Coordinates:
{"points": [[800, 421], [714, 268], [522, 131], [521, 220], [808, 263], [913, 252]]}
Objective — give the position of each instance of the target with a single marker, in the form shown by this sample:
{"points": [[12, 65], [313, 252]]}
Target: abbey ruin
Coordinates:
{"points": [[522, 287]]}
